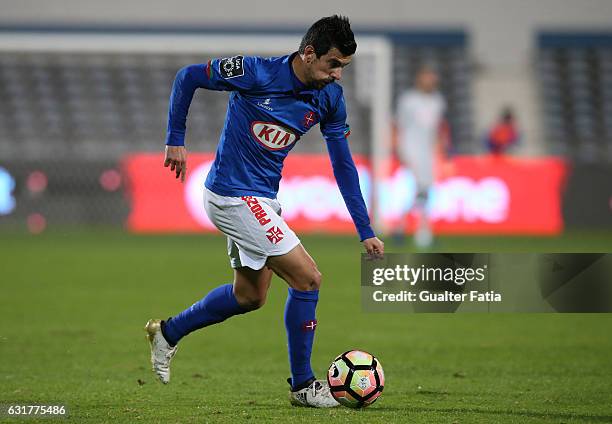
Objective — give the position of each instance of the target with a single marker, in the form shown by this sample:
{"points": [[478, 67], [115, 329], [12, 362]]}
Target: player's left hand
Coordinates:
{"points": [[176, 159], [374, 247]]}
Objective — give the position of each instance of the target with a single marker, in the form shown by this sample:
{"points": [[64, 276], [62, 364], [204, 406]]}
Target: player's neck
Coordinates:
{"points": [[298, 68]]}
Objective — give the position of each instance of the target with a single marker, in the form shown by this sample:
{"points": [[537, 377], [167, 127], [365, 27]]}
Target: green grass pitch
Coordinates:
{"points": [[74, 305]]}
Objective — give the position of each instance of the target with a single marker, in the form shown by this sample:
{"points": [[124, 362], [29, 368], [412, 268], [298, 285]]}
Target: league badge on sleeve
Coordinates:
{"points": [[231, 67]]}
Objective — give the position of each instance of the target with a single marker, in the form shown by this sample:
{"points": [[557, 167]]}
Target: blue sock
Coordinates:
{"points": [[218, 305], [300, 323]]}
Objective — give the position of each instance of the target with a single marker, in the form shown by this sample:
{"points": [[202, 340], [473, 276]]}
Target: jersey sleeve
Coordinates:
{"points": [[237, 73], [334, 126], [336, 131]]}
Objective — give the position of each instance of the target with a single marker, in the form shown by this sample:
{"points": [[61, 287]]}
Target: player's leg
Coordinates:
{"points": [[300, 272], [424, 178], [251, 277], [423, 236], [399, 232], [247, 293], [234, 217], [297, 268], [251, 286]]}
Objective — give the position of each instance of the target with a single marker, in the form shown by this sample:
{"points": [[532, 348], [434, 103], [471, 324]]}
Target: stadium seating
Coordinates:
{"points": [[575, 74], [101, 105]]}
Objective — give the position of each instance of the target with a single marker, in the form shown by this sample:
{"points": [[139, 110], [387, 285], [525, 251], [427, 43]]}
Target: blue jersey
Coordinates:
{"points": [[269, 110]]}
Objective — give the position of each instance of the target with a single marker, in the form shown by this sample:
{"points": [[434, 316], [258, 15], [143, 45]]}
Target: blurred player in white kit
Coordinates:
{"points": [[420, 114]]}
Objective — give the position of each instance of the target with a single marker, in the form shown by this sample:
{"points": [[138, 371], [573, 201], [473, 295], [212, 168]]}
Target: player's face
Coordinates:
{"points": [[328, 68], [427, 81]]}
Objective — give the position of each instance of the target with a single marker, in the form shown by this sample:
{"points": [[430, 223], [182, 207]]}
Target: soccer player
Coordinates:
{"points": [[273, 102], [420, 113]]}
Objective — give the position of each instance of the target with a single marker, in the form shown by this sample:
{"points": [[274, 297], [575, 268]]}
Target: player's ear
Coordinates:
{"points": [[309, 54]]}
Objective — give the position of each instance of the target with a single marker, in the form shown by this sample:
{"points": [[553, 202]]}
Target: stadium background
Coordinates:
{"points": [[80, 182], [551, 64]]}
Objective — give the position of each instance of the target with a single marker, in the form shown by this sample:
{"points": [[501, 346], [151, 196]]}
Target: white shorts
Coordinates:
{"points": [[253, 226]]}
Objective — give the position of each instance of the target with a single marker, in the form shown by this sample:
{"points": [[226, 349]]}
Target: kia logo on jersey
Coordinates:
{"points": [[272, 136]]}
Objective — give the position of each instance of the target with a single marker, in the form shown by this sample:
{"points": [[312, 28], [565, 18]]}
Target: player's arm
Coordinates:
{"points": [[229, 74], [403, 118], [336, 131], [443, 140]]}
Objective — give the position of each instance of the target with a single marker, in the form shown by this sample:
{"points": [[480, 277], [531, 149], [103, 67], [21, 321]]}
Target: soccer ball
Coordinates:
{"points": [[356, 379]]}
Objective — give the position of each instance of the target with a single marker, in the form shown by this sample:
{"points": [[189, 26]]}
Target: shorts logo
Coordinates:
{"points": [[257, 210], [231, 67], [275, 234], [272, 136], [309, 325]]}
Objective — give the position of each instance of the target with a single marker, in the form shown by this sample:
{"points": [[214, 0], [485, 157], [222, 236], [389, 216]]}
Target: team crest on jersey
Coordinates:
{"points": [[272, 136], [309, 119], [231, 67]]}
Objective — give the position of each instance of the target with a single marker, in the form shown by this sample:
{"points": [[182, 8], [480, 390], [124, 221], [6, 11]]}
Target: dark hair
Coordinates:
{"points": [[507, 114], [326, 33]]}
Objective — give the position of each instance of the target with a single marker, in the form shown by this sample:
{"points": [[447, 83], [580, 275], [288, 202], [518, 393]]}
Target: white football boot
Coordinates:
{"points": [[161, 351], [316, 395]]}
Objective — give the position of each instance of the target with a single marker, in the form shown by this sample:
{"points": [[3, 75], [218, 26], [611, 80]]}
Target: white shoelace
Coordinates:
{"points": [[171, 352]]}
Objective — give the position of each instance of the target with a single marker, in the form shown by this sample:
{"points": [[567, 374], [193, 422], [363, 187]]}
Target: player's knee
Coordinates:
{"points": [[251, 301], [310, 281], [254, 304], [317, 278]]}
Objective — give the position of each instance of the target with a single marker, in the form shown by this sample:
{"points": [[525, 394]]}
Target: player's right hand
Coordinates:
{"points": [[176, 159]]}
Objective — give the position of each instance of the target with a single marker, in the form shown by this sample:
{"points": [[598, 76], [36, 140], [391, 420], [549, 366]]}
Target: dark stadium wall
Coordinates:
{"points": [[587, 200]]}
